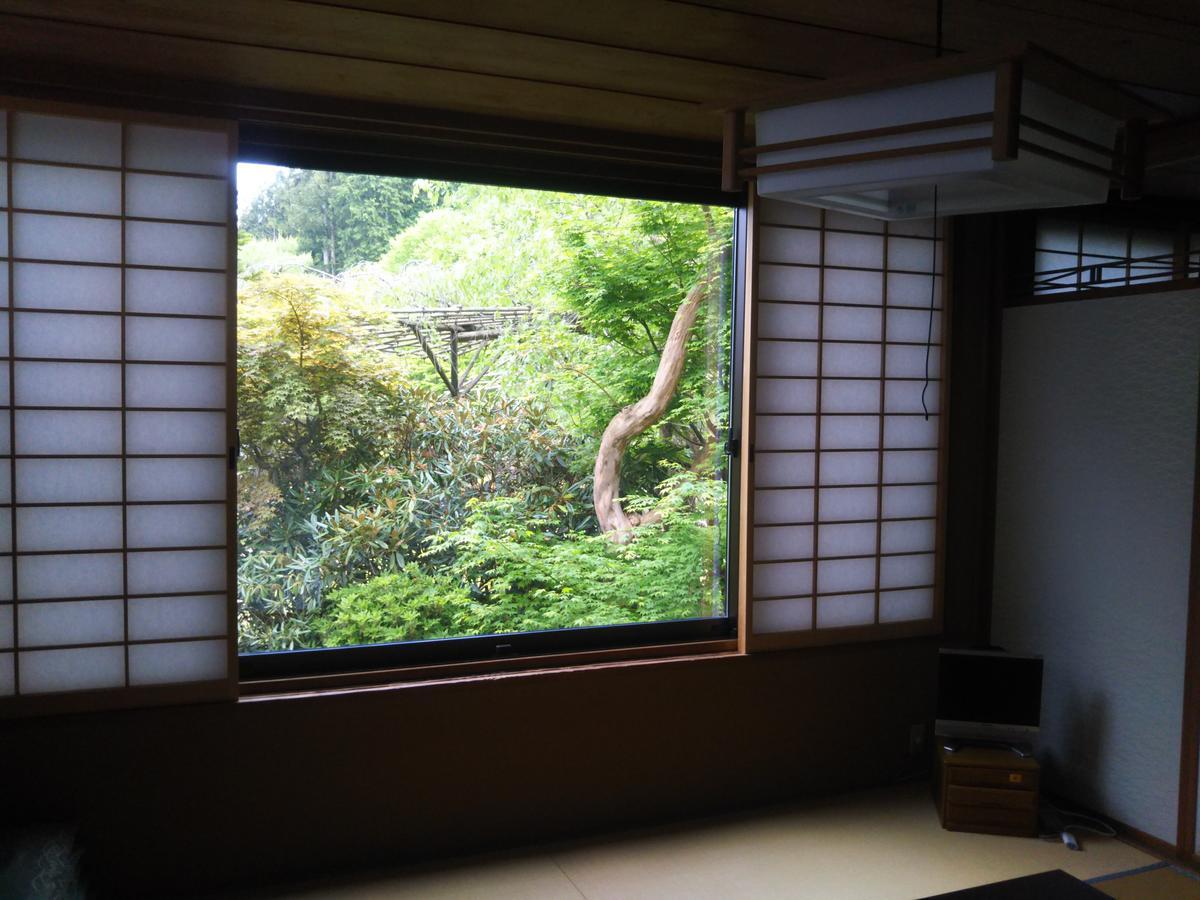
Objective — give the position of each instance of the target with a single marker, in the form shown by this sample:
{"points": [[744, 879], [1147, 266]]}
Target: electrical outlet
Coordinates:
{"points": [[916, 738]]}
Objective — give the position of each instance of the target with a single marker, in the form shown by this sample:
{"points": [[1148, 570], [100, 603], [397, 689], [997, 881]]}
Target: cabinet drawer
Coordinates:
{"points": [[1022, 821], [992, 778], [991, 798]]}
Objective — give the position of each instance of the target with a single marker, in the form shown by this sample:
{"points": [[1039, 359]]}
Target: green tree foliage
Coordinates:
{"points": [[340, 219], [374, 507]]}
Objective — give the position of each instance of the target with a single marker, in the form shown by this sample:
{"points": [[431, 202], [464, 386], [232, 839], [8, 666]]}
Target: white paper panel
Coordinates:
{"points": [[152, 618], [788, 320], [790, 245], [784, 507], [846, 286], [909, 502], [175, 479], [913, 290], [4, 192], [5, 482], [167, 149], [859, 467], [785, 542], [4, 265], [80, 575], [55, 431], [782, 213], [789, 283], [845, 610], [854, 360], [913, 325], [68, 336], [188, 293], [175, 386], [847, 540], [6, 626], [165, 244], [912, 254], [177, 571], [6, 583], [80, 622], [905, 396], [787, 395], [850, 396], [177, 662], [906, 606], [4, 351], [844, 323], [849, 432], [863, 251], [68, 384], [909, 362], [785, 432], [902, 466], [175, 525], [58, 286], [834, 575], [68, 480], [5, 437], [784, 469], [907, 537], [7, 680], [189, 340], [843, 221], [901, 432], [86, 668], [840, 504], [906, 571], [68, 238], [788, 359], [67, 139], [169, 432], [773, 616], [63, 189], [784, 579], [69, 528], [174, 197]]}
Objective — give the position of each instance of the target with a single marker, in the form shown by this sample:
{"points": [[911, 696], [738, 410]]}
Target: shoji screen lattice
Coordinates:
{"points": [[845, 465], [117, 236]]}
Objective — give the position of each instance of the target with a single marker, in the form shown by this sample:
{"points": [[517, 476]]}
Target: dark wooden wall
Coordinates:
{"points": [[216, 796]]}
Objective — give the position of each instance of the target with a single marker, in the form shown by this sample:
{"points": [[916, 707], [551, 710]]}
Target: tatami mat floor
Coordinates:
{"points": [[882, 844]]}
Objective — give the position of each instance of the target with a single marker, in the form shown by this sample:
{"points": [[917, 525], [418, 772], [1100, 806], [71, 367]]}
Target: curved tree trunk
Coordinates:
{"points": [[637, 417]]}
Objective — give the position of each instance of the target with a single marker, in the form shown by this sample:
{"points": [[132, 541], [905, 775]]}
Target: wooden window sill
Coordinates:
{"points": [[258, 690]]}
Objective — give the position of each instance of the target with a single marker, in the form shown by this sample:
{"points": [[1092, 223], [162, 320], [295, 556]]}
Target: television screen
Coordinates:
{"points": [[991, 688]]}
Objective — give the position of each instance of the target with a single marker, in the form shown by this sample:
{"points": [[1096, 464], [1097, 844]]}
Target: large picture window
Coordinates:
{"points": [[476, 420]]}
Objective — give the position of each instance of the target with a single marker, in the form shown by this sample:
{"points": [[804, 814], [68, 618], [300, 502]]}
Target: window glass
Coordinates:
{"points": [[468, 410]]}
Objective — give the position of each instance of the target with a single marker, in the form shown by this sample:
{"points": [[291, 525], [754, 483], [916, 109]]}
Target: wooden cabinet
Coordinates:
{"points": [[987, 790]]}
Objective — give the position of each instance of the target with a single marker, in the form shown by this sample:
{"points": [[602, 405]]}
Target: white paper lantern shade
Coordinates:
{"points": [[1024, 131], [114, 534]]}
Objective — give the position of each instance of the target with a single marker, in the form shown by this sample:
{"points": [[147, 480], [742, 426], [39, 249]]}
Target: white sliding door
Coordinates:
{"points": [[847, 380], [117, 235]]}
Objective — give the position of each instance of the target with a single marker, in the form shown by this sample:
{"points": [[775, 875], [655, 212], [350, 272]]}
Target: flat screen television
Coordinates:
{"points": [[988, 695]]}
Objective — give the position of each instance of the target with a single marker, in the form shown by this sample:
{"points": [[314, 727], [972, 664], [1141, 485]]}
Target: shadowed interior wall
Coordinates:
{"points": [[187, 798], [1094, 511]]}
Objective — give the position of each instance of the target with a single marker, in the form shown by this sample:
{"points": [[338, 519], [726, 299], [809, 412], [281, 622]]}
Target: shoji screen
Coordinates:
{"points": [[117, 236], [845, 464]]}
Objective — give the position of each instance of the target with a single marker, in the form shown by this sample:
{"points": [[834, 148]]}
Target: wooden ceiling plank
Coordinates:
{"points": [[254, 67], [666, 27], [1117, 39], [378, 37]]}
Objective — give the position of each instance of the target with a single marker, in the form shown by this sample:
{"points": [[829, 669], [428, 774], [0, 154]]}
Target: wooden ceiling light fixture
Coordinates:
{"points": [[1021, 130]]}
